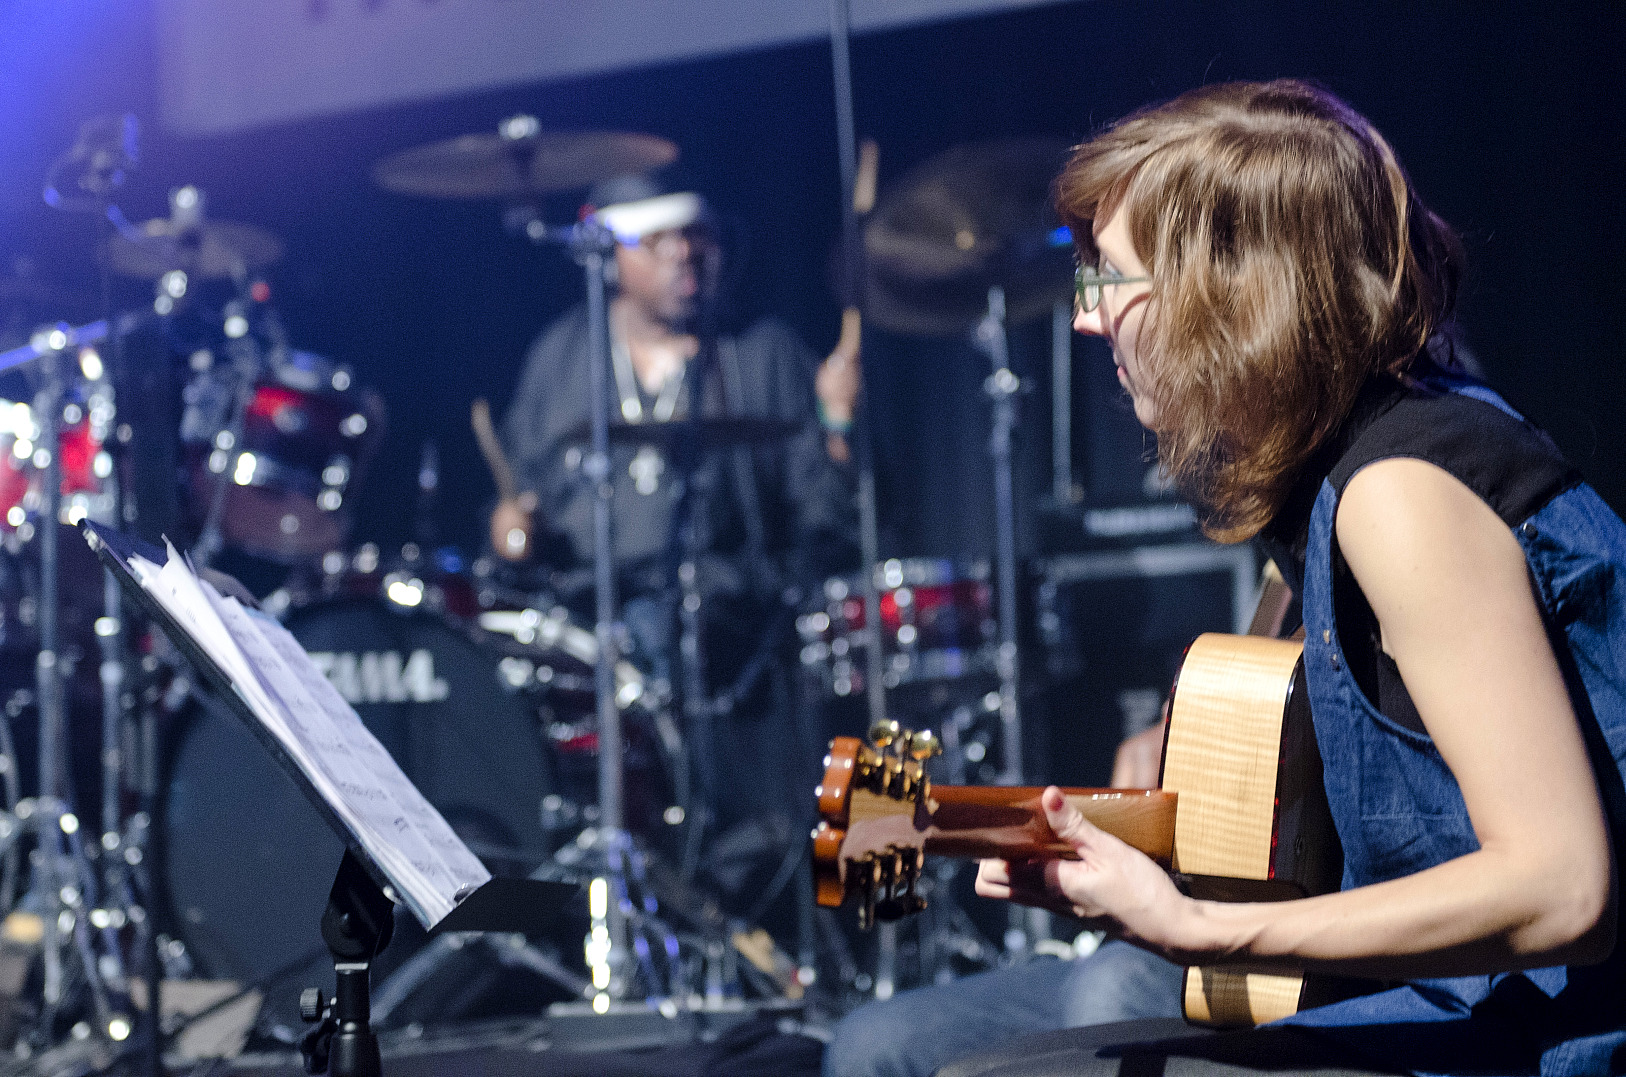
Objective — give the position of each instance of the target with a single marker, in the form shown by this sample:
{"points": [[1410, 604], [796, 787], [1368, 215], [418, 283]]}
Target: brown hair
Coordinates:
{"points": [[1290, 262]]}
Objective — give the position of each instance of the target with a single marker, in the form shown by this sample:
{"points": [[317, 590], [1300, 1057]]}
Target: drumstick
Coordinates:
{"points": [[869, 160], [491, 449]]}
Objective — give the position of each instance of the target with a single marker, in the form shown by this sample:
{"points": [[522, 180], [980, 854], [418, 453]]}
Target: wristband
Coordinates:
{"points": [[839, 427]]}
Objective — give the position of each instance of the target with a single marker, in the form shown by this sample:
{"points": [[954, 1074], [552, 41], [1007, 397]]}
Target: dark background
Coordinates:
{"points": [[1507, 115]]}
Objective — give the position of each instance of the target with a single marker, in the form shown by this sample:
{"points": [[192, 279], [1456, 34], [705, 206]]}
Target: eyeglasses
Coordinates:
{"points": [[1088, 281]]}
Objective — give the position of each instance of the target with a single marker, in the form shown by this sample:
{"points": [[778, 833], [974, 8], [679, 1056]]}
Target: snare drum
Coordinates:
{"points": [[937, 624]]}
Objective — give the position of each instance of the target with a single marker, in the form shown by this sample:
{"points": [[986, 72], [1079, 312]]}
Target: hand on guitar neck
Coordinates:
{"points": [[1103, 881]]}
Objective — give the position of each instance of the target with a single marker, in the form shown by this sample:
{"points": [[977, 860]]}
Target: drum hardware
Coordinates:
{"points": [[78, 941], [94, 895]]}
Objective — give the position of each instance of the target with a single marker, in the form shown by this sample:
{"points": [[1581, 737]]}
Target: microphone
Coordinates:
{"points": [[107, 149]]}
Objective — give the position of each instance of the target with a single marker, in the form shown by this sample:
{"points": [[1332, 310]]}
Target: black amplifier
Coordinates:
{"points": [[1113, 626]]}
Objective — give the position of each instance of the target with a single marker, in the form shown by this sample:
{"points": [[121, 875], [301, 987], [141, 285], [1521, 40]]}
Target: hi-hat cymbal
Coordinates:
{"points": [[211, 250], [975, 216], [519, 162]]}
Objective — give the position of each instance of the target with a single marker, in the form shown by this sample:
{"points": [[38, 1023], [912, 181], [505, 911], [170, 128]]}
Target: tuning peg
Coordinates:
{"points": [[884, 732], [902, 872], [864, 876], [924, 745], [896, 908]]}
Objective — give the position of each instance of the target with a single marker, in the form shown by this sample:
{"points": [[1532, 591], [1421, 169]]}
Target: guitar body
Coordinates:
{"points": [[1252, 823], [1241, 815]]}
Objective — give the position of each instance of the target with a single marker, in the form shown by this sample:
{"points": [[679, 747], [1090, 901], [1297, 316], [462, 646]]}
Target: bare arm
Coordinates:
{"points": [[1450, 589], [1138, 759]]}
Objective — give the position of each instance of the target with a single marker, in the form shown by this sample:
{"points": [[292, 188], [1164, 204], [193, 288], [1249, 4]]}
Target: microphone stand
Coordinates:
{"points": [[618, 892]]}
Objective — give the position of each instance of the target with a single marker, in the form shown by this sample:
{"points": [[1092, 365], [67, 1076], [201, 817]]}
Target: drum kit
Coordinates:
{"points": [[545, 744]]}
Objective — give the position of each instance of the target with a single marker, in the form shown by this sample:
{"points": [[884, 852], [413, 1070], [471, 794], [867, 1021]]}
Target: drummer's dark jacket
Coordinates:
{"points": [[773, 515]]}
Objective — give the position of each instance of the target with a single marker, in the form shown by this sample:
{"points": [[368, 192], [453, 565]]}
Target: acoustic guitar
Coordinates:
{"points": [[1240, 814]]}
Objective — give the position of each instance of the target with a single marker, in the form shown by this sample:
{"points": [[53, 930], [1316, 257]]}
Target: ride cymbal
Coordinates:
{"points": [[519, 161], [975, 216]]}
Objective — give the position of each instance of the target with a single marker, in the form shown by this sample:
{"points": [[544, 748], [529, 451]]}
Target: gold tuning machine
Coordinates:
{"points": [[885, 884], [885, 731], [895, 761], [924, 745]]}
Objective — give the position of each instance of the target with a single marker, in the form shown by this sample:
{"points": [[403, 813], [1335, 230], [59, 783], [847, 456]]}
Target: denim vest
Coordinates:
{"points": [[1398, 809]]}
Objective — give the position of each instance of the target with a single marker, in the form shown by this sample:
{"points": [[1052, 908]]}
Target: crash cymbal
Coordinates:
{"points": [[970, 218], [519, 161], [720, 433], [209, 250]]}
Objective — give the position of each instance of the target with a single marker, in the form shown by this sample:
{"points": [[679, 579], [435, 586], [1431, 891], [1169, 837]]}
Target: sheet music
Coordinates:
{"points": [[403, 833]]}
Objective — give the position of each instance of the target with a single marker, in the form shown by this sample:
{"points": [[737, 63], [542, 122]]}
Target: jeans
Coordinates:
{"points": [[918, 1031]]}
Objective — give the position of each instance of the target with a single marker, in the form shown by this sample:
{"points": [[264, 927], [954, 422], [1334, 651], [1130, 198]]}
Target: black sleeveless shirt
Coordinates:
{"points": [[1508, 462]]}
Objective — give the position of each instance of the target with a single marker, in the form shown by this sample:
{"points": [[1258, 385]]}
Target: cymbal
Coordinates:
{"points": [[211, 250], [719, 433], [498, 165], [975, 216]]}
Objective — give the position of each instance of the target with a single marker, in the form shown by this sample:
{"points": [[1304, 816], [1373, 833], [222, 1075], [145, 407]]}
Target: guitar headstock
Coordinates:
{"points": [[876, 857]]}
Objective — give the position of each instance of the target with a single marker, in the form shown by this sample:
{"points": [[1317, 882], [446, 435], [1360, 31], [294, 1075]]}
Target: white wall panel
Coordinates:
{"points": [[229, 64]]}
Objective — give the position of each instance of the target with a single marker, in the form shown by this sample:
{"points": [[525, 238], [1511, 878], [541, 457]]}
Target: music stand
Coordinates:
{"points": [[357, 923]]}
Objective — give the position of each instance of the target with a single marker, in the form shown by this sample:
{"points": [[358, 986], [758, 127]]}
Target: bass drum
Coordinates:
{"points": [[248, 862]]}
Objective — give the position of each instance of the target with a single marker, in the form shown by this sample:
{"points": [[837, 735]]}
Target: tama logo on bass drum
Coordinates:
{"points": [[383, 676]]}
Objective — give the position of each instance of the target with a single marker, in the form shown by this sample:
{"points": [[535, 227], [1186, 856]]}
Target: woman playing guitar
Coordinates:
{"points": [[1271, 287]]}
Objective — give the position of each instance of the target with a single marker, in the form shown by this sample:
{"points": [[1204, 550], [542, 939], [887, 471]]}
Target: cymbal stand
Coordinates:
{"points": [[946, 930], [862, 432], [697, 711], [1002, 387], [63, 888]]}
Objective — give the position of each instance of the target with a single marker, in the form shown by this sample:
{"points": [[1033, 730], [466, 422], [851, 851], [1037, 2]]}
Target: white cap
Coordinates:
{"points": [[632, 221]]}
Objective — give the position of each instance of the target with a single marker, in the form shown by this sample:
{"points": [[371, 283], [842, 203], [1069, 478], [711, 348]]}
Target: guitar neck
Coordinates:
{"points": [[1008, 822]]}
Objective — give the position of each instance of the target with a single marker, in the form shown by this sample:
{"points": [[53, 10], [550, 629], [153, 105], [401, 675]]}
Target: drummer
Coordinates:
{"points": [[771, 514]]}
